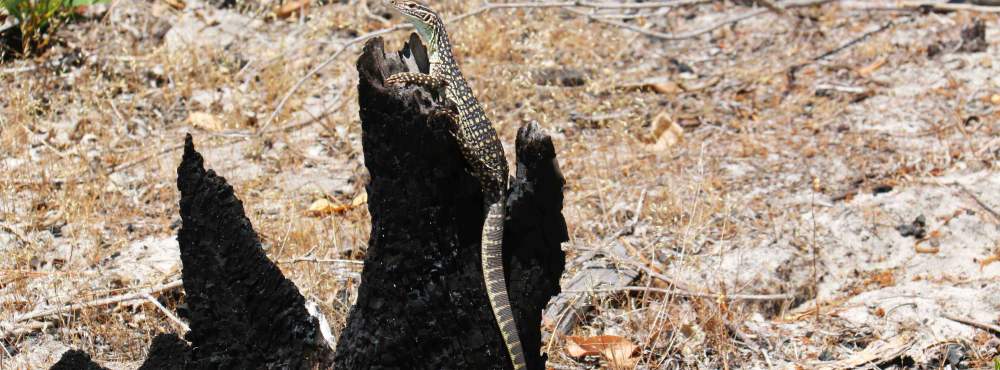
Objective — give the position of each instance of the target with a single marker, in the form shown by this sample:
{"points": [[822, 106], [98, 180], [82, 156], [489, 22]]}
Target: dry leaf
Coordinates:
{"points": [[925, 249], [617, 351], [666, 87], [323, 207], [288, 9], [575, 350], [176, 4], [205, 121], [666, 133], [988, 260]]}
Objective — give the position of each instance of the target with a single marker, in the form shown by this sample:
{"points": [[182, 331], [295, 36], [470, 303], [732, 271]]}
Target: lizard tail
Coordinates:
{"points": [[496, 284]]}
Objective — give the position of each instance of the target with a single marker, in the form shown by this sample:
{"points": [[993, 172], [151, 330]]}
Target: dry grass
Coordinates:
{"points": [[752, 135]]}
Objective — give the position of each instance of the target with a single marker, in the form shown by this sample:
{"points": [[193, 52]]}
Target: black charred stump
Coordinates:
{"points": [[76, 360], [422, 302], [244, 314], [167, 352]]}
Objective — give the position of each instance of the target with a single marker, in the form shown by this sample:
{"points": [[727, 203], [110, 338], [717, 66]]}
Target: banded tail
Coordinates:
{"points": [[496, 284]]}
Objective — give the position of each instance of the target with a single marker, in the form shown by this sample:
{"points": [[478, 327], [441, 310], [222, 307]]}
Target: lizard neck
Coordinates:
{"points": [[439, 46]]}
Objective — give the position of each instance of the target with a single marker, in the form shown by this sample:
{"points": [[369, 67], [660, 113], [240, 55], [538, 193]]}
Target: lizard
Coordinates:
{"points": [[482, 150]]}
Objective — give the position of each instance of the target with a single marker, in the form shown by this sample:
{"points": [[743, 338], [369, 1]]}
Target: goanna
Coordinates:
{"points": [[481, 148]]}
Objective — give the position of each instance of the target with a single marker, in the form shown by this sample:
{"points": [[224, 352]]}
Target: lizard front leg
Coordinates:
{"points": [[451, 120], [416, 78]]}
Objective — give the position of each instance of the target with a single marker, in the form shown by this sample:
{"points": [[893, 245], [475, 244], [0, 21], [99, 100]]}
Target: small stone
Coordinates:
{"points": [[956, 354], [974, 38], [916, 229]]}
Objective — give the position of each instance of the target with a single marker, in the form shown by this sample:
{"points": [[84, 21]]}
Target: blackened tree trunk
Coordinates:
{"points": [[244, 313], [422, 302]]}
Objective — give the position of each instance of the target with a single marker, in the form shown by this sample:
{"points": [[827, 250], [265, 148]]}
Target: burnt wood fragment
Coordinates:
{"points": [[422, 301]]}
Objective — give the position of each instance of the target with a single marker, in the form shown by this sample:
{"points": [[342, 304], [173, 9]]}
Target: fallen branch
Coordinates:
{"points": [[684, 293], [140, 295]]}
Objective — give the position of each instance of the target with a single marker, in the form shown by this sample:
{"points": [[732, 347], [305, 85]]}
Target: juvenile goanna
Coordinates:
{"points": [[481, 148]]}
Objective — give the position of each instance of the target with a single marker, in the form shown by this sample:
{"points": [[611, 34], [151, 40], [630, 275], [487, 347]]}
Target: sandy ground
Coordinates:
{"points": [[791, 175]]}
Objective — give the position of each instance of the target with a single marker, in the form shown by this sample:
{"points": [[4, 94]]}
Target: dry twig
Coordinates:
{"points": [[17, 233], [140, 295], [184, 327], [976, 324], [978, 201], [321, 260], [684, 293]]}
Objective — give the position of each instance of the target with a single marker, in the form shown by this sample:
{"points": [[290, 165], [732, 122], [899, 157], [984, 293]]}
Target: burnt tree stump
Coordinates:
{"points": [[244, 313], [422, 302]]}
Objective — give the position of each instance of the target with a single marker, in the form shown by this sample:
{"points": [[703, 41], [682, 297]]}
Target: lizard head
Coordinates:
{"points": [[424, 19]]}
